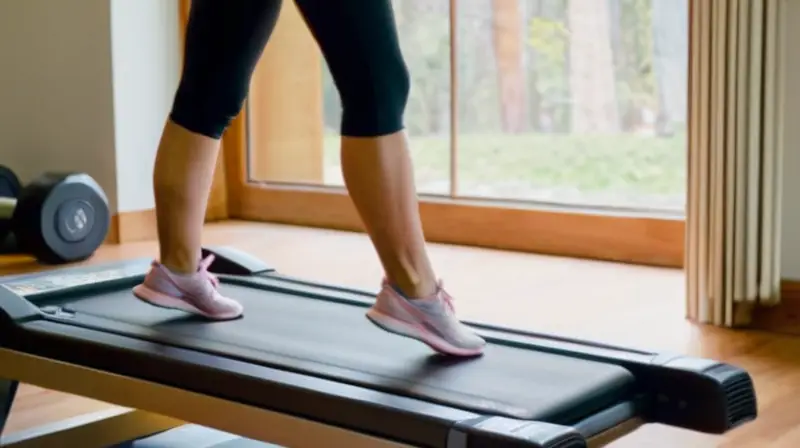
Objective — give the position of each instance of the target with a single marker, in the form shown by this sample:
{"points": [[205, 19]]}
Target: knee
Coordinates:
{"points": [[374, 98], [206, 105]]}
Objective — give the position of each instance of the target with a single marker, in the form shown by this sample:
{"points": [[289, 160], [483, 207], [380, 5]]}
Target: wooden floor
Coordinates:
{"points": [[630, 305]]}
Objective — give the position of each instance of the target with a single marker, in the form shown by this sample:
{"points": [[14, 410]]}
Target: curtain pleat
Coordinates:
{"points": [[735, 149]]}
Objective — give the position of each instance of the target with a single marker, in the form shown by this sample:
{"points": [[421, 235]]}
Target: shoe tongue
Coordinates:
{"points": [[433, 305], [205, 263], [196, 284]]}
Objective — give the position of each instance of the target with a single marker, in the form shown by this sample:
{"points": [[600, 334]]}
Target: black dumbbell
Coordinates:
{"points": [[9, 183], [9, 188], [57, 218]]}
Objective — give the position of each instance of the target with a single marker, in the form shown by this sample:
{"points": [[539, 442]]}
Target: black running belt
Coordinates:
{"points": [[334, 340]]}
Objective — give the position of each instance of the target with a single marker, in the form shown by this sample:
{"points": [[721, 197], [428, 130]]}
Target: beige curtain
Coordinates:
{"points": [[735, 151]]}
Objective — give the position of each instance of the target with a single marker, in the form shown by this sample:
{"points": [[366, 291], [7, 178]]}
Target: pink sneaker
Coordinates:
{"points": [[430, 320], [194, 293]]}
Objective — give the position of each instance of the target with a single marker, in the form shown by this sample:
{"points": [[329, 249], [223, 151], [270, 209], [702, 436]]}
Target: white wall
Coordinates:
{"points": [[146, 56], [56, 92], [86, 86]]}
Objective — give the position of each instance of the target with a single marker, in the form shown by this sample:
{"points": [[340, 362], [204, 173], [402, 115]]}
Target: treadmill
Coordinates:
{"points": [[305, 368]]}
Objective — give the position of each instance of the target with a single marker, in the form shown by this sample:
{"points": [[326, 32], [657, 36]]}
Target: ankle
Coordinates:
{"points": [[180, 265], [415, 290]]}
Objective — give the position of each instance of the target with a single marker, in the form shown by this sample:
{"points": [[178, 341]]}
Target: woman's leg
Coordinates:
{"points": [[224, 40], [360, 44]]}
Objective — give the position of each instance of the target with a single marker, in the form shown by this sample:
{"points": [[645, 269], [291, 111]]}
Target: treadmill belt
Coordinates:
{"points": [[334, 340]]}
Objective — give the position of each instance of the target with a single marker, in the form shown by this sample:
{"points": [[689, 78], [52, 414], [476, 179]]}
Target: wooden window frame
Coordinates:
{"points": [[611, 235]]}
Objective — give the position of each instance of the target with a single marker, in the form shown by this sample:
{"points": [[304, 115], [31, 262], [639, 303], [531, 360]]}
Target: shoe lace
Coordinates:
{"points": [[205, 263], [448, 300]]}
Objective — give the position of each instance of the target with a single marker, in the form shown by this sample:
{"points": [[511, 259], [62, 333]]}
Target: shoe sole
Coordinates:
{"points": [[160, 300], [398, 327]]}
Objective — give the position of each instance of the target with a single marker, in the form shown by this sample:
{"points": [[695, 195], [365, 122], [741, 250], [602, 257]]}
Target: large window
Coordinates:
{"points": [[570, 115], [424, 29], [577, 102]]}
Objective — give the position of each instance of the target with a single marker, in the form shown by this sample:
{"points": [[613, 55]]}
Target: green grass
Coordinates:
{"points": [[630, 165]]}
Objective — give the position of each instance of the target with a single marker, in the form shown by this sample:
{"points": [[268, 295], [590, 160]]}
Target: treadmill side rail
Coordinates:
{"points": [[231, 261], [502, 432], [14, 308], [37, 288], [8, 393]]}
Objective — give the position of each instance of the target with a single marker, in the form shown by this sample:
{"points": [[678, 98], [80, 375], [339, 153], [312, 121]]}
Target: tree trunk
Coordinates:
{"points": [[509, 53], [592, 83], [622, 65], [532, 11], [670, 61]]}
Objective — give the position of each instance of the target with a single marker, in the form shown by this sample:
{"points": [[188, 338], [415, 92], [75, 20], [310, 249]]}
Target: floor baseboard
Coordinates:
{"points": [[783, 318], [128, 227]]}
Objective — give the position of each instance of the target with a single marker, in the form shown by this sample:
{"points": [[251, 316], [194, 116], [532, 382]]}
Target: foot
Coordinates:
{"points": [[430, 320], [194, 293]]}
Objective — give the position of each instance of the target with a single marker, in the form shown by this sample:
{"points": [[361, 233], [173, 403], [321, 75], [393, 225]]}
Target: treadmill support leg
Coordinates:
{"points": [[8, 391]]}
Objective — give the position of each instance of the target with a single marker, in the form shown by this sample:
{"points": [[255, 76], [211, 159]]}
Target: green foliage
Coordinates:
{"points": [[636, 84], [550, 40], [625, 164], [427, 51]]}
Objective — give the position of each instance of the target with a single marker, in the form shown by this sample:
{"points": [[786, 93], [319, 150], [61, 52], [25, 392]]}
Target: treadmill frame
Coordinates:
{"points": [[108, 428], [184, 405], [154, 401], [699, 401]]}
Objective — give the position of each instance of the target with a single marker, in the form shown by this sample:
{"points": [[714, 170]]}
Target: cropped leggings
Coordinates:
{"points": [[358, 38]]}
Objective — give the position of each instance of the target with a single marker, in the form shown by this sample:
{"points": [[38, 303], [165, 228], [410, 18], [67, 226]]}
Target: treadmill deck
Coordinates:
{"points": [[334, 340], [306, 361]]}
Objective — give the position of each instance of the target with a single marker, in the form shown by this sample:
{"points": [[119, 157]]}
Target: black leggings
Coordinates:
{"points": [[225, 39]]}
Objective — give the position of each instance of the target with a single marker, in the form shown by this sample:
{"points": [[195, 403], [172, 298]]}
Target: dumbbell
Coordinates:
{"points": [[9, 183], [58, 218]]}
